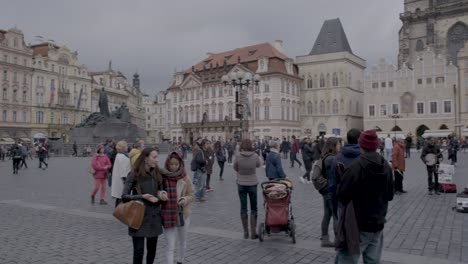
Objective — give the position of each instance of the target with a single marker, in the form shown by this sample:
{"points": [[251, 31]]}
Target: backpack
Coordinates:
{"points": [[318, 178]]}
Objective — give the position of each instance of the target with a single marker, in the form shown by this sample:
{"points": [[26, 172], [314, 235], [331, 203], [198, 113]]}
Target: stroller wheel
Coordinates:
{"points": [[292, 231], [261, 232]]}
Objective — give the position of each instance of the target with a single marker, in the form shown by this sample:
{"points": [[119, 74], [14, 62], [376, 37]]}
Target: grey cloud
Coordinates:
{"points": [[156, 37]]}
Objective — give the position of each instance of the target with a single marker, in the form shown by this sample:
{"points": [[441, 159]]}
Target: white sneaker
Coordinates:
{"points": [[264, 166], [303, 181], [309, 182]]}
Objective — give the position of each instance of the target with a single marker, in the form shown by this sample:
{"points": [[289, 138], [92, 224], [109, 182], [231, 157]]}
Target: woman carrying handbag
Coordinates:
{"points": [[145, 184]]}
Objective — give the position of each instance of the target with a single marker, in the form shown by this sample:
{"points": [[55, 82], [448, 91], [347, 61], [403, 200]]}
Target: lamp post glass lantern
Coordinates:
{"points": [[241, 81]]}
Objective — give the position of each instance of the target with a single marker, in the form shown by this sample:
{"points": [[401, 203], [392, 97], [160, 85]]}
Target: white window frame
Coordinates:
{"points": [[424, 107], [430, 112], [368, 110], [386, 110], [451, 106], [398, 106]]}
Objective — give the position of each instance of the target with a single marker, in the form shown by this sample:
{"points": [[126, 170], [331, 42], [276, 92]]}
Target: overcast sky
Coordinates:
{"points": [[156, 37]]}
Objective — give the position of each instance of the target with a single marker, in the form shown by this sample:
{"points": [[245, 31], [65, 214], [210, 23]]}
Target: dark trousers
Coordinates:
{"points": [[16, 163], [398, 181], [230, 157], [453, 157], [23, 162], [432, 178], [285, 155], [117, 202], [75, 153], [293, 157], [2, 156], [408, 152], [221, 168], [251, 192], [41, 161], [328, 214], [139, 249], [208, 178], [308, 167]]}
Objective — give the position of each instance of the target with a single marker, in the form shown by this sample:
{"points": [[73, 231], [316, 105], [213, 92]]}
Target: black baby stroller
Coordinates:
{"points": [[278, 209]]}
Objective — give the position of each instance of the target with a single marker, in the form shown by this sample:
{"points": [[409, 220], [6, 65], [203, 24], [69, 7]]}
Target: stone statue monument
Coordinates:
{"points": [[103, 104], [102, 125]]}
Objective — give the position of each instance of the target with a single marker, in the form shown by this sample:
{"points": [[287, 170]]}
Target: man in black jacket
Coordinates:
{"points": [[368, 183], [431, 149], [308, 158]]}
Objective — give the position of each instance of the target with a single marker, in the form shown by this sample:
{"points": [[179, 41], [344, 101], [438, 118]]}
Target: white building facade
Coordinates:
{"points": [[273, 105], [332, 90], [16, 75]]}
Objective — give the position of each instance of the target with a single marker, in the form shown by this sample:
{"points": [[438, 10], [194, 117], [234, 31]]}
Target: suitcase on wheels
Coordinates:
{"points": [[448, 187]]}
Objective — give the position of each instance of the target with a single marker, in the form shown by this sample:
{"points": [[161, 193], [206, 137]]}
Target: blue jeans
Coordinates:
{"points": [[250, 191], [371, 249], [199, 181]]}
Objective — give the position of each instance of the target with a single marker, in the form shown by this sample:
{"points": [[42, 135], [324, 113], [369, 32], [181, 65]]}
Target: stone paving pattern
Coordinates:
{"points": [[46, 217]]}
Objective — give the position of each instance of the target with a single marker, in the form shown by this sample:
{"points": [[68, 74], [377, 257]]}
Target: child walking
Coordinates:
{"points": [[175, 212]]}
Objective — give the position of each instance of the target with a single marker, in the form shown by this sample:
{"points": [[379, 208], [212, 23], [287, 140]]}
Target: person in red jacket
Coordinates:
{"points": [[398, 165], [101, 165], [294, 151]]}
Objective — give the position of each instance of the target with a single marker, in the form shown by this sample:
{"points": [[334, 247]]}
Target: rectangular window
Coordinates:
{"points": [[429, 80], [375, 85], [383, 110], [395, 109], [420, 108], [52, 118], [447, 106], [220, 91], [433, 108], [266, 87], [257, 89], [24, 117], [440, 80], [257, 112], [390, 84], [372, 110], [267, 112], [383, 84], [4, 116], [419, 81], [213, 92]]}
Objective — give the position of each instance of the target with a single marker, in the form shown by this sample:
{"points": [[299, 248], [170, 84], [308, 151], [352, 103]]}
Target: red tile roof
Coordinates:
{"points": [[42, 49], [246, 54]]}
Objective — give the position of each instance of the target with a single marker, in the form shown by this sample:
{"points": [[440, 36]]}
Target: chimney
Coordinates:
{"points": [[278, 45]]}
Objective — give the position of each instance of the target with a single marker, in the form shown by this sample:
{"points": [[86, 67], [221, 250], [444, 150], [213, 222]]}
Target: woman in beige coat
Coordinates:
{"points": [[175, 213], [120, 171]]}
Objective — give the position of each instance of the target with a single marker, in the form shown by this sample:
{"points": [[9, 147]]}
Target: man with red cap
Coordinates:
{"points": [[368, 184]]}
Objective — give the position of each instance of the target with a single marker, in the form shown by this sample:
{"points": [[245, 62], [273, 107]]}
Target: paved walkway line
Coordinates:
{"points": [[275, 241]]}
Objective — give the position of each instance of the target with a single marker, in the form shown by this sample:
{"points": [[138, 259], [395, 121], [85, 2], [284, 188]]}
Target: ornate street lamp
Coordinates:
{"points": [[241, 81]]}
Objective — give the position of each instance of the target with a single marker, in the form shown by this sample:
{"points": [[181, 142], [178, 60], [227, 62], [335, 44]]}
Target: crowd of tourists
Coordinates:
{"points": [[21, 152], [360, 180]]}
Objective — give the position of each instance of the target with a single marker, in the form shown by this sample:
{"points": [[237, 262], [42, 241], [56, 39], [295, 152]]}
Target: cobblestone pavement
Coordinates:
{"points": [[46, 217]]}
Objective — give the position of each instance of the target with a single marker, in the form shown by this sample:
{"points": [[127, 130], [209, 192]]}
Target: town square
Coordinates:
{"points": [[219, 132]]}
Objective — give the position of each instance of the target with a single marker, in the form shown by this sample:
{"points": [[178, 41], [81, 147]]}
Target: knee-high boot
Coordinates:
{"points": [[245, 225], [253, 227]]}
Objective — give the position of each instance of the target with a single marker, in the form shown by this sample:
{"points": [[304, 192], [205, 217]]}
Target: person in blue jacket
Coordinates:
{"points": [[274, 167]]}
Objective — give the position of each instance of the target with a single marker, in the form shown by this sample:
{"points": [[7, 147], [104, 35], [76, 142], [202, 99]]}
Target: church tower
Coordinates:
{"points": [[438, 25]]}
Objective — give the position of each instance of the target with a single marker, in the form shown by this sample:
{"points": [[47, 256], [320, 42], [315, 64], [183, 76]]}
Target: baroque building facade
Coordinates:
{"points": [[428, 89], [61, 96], [197, 94], [119, 91], [156, 118], [16, 76], [332, 91]]}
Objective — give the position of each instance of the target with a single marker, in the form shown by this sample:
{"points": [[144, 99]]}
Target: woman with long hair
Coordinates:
{"points": [[220, 157], [245, 164], [145, 184], [101, 165], [329, 151]]}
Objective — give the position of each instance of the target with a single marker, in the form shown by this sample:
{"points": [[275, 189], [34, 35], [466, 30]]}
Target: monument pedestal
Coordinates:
{"points": [[113, 129]]}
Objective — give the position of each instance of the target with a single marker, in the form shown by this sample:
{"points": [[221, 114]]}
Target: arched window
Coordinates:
{"points": [[315, 107], [328, 80], [456, 37], [322, 107], [419, 45], [322, 81], [335, 107], [335, 79], [309, 108]]}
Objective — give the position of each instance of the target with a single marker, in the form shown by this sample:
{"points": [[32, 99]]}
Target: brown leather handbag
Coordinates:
{"points": [[130, 213]]}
